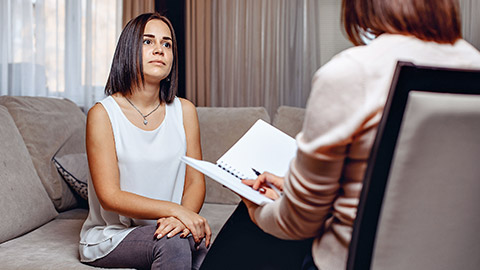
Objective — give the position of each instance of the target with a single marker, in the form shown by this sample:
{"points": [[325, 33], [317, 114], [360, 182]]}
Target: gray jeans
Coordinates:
{"points": [[141, 250]]}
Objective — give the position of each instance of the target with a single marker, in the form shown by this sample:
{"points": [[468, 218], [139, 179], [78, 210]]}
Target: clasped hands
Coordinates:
{"points": [[171, 226]]}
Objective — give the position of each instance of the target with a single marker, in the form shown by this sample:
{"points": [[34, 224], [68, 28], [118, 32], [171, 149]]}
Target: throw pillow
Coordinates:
{"points": [[45, 124], [25, 205], [74, 170]]}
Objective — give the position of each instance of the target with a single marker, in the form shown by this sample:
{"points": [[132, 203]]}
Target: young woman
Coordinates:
{"points": [[143, 200], [322, 187]]}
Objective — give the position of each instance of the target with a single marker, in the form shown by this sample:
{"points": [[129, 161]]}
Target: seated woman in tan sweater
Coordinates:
{"points": [[322, 188]]}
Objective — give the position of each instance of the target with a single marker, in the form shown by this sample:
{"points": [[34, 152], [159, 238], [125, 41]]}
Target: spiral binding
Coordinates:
{"points": [[226, 167]]}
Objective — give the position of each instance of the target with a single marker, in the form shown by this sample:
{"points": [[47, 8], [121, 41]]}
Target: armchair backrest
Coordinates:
{"points": [[419, 207]]}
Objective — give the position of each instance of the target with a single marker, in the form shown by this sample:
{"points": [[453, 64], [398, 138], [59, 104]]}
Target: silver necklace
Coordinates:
{"points": [[145, 121]]}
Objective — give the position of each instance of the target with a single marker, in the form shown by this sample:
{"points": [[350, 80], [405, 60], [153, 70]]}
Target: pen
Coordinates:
{"points": [[279, 193], [257, 173]]}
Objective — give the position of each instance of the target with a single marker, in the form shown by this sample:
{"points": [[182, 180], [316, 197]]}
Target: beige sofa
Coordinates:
{"points": [[42, 210]]}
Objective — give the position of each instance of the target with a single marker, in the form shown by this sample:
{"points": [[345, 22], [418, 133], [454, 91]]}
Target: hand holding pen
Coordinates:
{"points": [[267, 183]]}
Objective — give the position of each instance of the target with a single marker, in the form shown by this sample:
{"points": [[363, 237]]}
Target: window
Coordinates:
{"points": [[58, 47]]}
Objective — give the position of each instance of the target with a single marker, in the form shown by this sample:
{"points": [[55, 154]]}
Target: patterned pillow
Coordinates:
{"points": [[74, 170]]}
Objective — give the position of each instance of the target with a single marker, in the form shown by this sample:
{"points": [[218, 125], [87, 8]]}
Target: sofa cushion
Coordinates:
{"points": [[45, 124], [25, 205], [220, 128], [75, 213], [289, 119], [53, 246], [74, 170]]}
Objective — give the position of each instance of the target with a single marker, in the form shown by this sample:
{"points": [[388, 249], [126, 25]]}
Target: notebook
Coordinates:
{"points": [[263, 148]]}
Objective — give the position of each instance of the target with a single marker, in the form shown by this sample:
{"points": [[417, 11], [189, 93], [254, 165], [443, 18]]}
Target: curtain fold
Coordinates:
{"points": [[133, 8], [471, 21], [198, 51], [258, 52], [265, 52]]}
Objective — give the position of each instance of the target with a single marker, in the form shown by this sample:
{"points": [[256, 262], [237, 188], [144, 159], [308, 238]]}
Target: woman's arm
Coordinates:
{"points": [[335, 113], [194, 190], [104, 172]]}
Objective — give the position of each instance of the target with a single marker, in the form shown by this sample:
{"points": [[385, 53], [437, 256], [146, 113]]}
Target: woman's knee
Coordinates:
{"points": [[173, 251]]}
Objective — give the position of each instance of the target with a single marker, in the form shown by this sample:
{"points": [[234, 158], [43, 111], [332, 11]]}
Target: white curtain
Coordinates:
{"points": [[58, 48], [265, 52]]}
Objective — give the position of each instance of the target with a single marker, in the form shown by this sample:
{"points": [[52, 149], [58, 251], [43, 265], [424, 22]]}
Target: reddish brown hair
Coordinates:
{"points": [[428, 20]]}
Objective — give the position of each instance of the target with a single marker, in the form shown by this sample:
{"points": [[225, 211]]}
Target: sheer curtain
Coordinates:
{"points": [[21, 69], [58, 47], [263, 52]]}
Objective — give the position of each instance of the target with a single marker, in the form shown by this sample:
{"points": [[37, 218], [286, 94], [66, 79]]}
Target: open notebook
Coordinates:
{"points": [[263, 148]]}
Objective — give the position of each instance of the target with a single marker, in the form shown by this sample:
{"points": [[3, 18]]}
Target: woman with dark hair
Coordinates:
{"points": [[322, 188], [143, 201]]}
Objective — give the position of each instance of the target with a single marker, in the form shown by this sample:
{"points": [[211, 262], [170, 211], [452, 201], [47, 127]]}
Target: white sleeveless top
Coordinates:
{"points": [[149, 165]]}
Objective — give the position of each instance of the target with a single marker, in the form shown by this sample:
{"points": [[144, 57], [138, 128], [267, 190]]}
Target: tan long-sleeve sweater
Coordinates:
{"points": [[324, 182]]}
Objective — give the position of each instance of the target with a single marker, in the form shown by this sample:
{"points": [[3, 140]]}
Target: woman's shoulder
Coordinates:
{"points": [[185, 102], [98, 124], [101, 106], [97, 116], [97, 110], [188, 107], [101, 111], [360, 56], [342, 70]]}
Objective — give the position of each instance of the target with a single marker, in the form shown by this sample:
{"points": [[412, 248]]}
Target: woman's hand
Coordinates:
{"points": [[263, 182], [251, 209], [170, 227], [196, 224]]}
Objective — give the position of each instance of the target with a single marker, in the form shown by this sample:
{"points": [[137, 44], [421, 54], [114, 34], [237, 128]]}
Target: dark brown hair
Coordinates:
{"points": [[428, 20], [126, 71]]}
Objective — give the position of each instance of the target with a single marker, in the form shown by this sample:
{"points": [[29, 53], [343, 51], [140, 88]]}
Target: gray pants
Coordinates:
{"points": [[141, 250]]}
